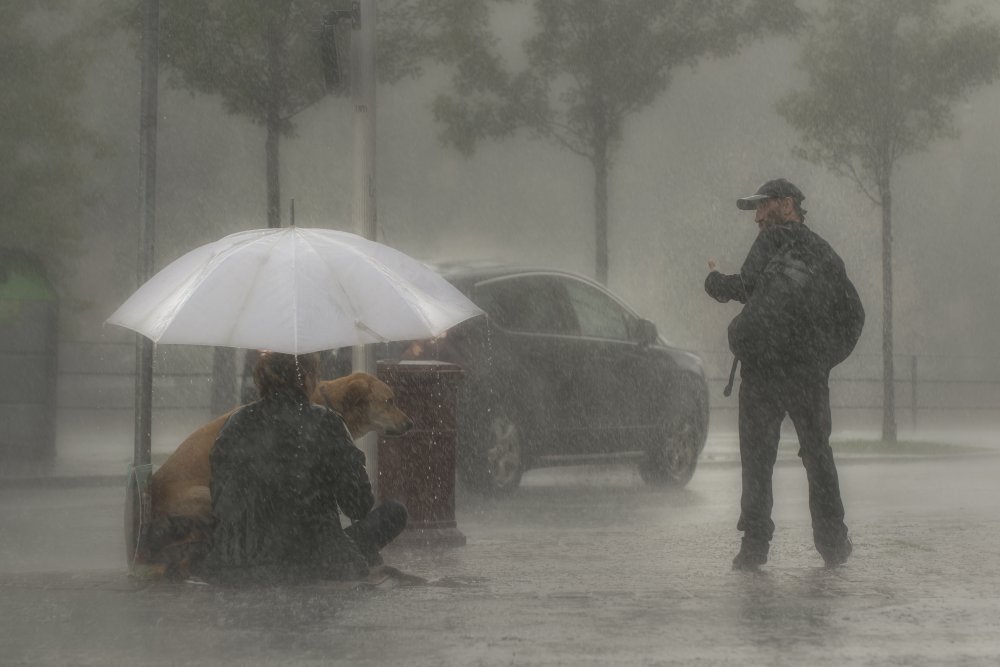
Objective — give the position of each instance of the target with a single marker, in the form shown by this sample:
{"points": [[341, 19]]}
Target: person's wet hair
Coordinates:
{"points": [[276, 370]]}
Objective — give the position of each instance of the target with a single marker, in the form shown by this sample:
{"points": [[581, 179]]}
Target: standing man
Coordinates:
{"points": [[802, 316]]}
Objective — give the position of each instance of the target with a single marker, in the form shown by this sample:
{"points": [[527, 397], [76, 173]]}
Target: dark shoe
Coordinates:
{"points": [[751, 556], [839, 554]]}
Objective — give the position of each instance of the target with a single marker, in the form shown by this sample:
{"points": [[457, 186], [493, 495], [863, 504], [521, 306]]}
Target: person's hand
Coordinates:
{"points": [[711, 265]]}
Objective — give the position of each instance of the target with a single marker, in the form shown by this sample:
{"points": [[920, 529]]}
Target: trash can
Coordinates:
{"points": [[29, 316], [418, 468]]}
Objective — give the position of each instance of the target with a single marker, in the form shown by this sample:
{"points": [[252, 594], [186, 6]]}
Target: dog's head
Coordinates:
{"points": [[366, 403]]}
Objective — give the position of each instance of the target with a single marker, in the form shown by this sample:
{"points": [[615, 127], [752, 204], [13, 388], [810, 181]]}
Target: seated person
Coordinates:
{"points": [[283, 468]]}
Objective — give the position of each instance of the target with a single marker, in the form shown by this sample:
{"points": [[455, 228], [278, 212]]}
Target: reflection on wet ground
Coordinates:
{"points": [[581, 566]]}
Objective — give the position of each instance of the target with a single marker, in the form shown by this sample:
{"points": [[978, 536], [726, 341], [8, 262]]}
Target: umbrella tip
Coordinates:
{"points": [[291, 213]]}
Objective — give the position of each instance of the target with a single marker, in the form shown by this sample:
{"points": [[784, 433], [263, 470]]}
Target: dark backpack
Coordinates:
{"points": [[804, 310]]}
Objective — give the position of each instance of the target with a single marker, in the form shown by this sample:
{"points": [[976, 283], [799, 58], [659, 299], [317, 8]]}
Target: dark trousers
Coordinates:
{"points": [[765, 399], [382, 525]]}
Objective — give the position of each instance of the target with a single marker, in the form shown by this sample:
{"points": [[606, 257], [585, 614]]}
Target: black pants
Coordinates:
{"points": [[765, 399], [382, 525]]}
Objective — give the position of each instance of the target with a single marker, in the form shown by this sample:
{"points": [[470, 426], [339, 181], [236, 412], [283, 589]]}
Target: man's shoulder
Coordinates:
{"points": [[776, 238], [318, 410], [329, 418], [240, 416], [812, 234], [324, 412], [787, 232], [797, 236]]}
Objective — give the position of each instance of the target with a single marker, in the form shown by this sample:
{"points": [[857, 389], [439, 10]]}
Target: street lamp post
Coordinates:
{"points": [[147, 195], [138, 501]]}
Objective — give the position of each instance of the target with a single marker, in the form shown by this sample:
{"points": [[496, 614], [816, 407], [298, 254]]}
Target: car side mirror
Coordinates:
{"points": [[645, 332]]}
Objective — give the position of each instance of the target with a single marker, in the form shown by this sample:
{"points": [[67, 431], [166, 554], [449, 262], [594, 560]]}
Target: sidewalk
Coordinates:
{"points": [[585, 567]]}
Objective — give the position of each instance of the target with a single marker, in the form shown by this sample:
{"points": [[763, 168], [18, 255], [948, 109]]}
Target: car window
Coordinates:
{"points": [[599, 315], [536, 304]]}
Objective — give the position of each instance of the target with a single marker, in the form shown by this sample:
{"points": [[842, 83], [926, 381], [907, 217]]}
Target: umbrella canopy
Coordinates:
{"points": [[293, 290]]}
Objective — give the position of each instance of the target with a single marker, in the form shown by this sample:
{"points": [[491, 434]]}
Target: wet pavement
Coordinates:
{"points": [[582, 566]]}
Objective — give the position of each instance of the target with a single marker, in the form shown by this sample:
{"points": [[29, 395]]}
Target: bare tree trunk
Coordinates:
{"points": [[601, 205], [888, 367], [225, 392], [147, 228], [273, 178], [601, 220]]}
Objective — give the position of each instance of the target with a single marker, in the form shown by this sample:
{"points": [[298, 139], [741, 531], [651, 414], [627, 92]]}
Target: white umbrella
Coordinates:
{"points": [[293, 290]]}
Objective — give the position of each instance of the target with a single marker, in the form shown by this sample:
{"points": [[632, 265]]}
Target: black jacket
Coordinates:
{"points": [[281, 469], [768, 244], [801, 309]]}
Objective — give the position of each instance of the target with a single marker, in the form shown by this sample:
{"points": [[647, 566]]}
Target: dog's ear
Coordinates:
{"points": [[356, 392]]}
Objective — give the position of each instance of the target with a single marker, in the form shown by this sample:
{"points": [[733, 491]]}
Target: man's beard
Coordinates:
{"points": [[773, 217]]}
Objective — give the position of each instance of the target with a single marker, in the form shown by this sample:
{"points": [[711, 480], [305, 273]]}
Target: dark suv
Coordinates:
{"points": [[562, 371]]}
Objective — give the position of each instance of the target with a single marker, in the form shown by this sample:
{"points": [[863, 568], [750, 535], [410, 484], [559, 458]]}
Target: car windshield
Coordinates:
{"points": [[534, 303]]}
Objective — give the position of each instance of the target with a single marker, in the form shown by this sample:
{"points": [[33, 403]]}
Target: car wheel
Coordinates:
{"points": [[493, 454], [672, 459]]}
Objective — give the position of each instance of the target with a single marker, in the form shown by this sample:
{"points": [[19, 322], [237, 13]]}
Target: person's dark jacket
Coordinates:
{"points": [[282, 467], [801, 309], [768, 244]]}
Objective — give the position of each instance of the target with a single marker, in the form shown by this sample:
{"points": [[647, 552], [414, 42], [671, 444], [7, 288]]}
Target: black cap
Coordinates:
{"points": [[779, 188]]}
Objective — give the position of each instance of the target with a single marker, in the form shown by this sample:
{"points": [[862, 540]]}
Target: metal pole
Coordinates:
{"points": [[147, 198], [363, 206], [138, 498]]}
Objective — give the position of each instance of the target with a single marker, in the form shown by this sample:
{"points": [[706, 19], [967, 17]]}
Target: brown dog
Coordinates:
{"points": [[182, 504]]}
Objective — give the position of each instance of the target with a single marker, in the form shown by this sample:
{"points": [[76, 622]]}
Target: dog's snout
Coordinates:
{"points": [[400, 427]]}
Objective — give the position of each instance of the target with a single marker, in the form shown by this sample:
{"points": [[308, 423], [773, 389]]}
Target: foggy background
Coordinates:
{"points": [[712, 137], [580, 566]]}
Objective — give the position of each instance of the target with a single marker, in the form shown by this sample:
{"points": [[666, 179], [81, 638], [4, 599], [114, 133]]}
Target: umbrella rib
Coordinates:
{"points": [[395, 278], [333, 280], [275, 239], [203, 273]]}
